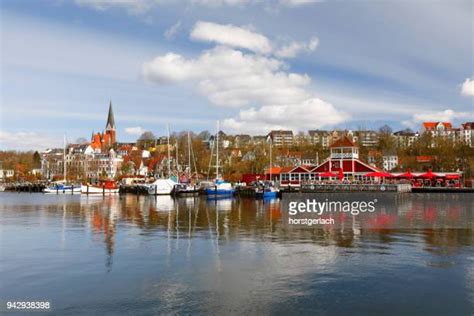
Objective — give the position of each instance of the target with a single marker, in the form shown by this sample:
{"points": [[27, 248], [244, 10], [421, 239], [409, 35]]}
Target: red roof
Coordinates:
{"points": [[432, 125], [343, 142], [274, 170]]}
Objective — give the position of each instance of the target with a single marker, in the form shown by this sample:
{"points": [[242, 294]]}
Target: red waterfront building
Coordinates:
{"points": [[343, 161]]}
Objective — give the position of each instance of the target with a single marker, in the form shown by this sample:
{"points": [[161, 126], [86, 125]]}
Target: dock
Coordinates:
{"points": [[341, 187]]}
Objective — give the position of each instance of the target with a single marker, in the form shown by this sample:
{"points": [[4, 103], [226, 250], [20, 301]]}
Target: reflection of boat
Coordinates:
{"points": [[63, 188], [104, 187]]}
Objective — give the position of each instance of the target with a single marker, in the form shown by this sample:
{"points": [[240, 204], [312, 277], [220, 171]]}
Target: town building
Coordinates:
{"points": [[466, 133], [319, 137], [406, 138], [366, 138], [281, 137]]}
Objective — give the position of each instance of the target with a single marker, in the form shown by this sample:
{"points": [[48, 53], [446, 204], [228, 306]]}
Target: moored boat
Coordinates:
{"points": [[61, 188], [104, 187], [221, 188], [187, 189], [266, 192], [160, 187]]}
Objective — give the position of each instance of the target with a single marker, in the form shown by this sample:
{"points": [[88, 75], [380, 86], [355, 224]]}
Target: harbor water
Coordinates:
{"points": [[137, 255]]}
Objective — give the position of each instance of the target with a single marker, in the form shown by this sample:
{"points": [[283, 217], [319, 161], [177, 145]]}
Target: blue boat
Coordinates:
{"points": [[267, 192], [221, 188]]}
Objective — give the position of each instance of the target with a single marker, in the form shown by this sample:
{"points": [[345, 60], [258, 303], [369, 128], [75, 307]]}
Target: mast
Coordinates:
{"points": [[64, 159], [271, 143], [169, 155], [189, 154], [217, 151], [177, 163]]}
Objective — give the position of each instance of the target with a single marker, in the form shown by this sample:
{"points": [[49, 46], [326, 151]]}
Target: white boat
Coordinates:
{"points": [[60, 188], [160, 187], [105, 188]]}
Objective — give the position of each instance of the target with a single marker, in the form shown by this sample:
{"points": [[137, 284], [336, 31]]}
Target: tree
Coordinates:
{"points": [[146, 139], [36, 160]]}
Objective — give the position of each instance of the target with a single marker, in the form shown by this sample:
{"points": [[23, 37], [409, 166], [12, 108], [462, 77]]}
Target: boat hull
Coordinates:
{"points": [[63, 190], [220, 192], [90, 189], [161, 187]]}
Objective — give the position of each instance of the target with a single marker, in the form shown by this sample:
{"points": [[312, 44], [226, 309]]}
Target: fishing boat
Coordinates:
{"points": [[106, 187], [220, 187]]}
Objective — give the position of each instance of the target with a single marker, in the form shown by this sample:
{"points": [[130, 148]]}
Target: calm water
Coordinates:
{"points": [[143, 255]]}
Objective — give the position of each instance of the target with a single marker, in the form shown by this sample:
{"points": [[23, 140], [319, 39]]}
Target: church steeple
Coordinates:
{"points": [[110, 119]]}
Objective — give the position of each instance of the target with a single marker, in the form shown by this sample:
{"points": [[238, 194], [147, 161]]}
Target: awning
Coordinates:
{"points": [[327, 174], [378, 174], [428, 175]]}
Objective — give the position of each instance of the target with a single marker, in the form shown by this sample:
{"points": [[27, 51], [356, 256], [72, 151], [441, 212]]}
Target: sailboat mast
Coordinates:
{"points": [[271, 143], [177, 163], [189, 153], [64, 158], [169, 154], [217, 151]]}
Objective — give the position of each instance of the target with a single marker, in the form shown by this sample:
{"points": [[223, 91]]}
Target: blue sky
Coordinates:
{"points": [[252, 65]]}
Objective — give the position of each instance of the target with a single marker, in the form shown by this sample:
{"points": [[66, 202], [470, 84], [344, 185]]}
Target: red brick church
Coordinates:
{"points": [[106, 139]]}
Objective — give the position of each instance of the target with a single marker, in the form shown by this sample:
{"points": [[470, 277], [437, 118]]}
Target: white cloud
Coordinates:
{"points": [[274, 97], [132, 6], [136, 131], [297, 3], [27, 141], [228, 77], [468, 87], [171, 32], [309, 114], [230, 35], [218, 3], [294, 48]]}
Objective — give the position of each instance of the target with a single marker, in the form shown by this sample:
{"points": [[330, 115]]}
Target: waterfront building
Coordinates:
{"points": [[344, 157]]}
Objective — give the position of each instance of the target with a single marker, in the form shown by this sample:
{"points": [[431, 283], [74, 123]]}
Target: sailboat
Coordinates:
{"points": [[220, 187], [187, 188], [267, 190], [163, 186], [62, 186]]}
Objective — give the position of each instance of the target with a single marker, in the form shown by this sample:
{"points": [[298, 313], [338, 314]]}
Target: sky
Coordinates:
{"points": [[251, 65]]}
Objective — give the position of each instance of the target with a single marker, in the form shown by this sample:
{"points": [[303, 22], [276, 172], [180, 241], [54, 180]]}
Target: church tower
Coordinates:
{"points": [[110, 128]]}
